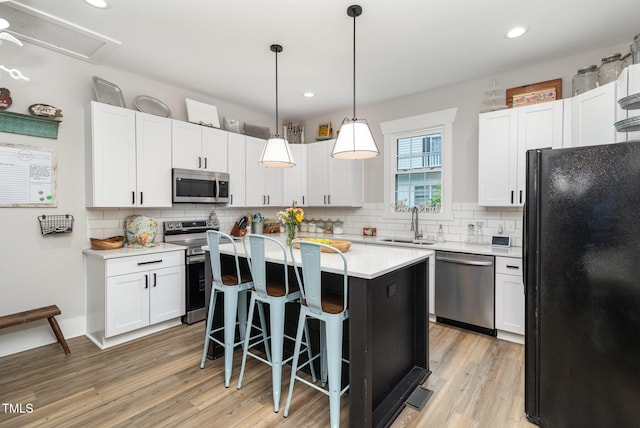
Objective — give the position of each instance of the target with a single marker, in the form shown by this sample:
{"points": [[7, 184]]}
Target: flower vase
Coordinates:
{"points": [[291, 233]]}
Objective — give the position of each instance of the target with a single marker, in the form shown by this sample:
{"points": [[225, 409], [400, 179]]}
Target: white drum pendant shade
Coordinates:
{"points": [[276, 154], [355, 141]]}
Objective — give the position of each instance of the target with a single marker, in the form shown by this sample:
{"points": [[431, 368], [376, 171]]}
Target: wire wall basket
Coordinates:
{"points": [[53, 224]]}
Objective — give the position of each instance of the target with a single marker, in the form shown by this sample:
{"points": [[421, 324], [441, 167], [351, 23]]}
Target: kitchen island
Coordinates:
{"points": [[388, 344]]}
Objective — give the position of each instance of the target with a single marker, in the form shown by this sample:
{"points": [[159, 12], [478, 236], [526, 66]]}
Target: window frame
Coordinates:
{"points": [[439, 121]]}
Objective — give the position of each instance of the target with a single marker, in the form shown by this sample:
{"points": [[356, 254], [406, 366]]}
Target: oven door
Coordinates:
{"points": [[196, 289]]}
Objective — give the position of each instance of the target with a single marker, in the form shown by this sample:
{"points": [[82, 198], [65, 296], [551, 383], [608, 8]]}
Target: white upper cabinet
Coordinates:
{"points": [[317, 170], [593, 114], [332, 181], [199, 147], [153, 154], [295, 179], [504, 138], [128, 159], [237, 170], [264, 186]]}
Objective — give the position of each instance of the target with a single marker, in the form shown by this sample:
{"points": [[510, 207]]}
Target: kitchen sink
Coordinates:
{"points": [[407, 241]]}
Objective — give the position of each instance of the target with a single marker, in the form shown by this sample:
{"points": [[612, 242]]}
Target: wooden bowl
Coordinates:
{"points": [[340, 245], [107, 243]]}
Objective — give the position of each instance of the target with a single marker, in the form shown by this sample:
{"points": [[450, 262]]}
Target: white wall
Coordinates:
{"points": [[37, 271]]}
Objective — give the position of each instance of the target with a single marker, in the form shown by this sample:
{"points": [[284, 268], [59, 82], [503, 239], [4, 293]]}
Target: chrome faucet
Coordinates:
{"points": [[414, 223]]}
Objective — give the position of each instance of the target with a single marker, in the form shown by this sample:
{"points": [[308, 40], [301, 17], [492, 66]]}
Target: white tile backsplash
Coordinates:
{"points": [[103, 223]]}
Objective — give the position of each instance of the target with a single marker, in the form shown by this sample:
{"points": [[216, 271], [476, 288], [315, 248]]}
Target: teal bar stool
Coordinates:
{"points": [[276, 294], [234, 289], [331, 310]]}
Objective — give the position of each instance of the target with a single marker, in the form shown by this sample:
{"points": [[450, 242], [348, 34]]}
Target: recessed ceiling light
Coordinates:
{"points": [[100, 4], [516, 32], [309, 94]]}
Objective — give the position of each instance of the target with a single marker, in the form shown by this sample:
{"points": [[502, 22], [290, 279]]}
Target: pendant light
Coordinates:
{"points": [[276, 152], [355, 140]]}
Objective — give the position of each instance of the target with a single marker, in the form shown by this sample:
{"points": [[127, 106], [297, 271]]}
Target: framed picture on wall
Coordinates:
{"points": [[325, 131], [534, 93]]}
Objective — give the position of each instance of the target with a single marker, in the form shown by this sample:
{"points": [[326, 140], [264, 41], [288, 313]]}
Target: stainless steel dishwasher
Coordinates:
{"points": [[465, 291]]}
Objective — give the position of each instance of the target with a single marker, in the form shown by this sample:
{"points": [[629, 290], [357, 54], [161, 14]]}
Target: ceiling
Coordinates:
{"points": [[221, 48]]}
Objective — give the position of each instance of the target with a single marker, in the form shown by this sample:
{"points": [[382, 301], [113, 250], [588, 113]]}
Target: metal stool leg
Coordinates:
{"points": [[334, 357], [245, 347], [296, 353], [230, 314], [323, 352], [207, 338], [276, 317]]}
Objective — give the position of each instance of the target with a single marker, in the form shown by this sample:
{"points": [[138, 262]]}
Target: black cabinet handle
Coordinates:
{"points": [[513, 267], [149, 262], [133, 197], [205, 163], [146, 281], [199, 162], [268, 199], [155, 279], [302, 200], [141, 198], [230, 199], [328, 199], [512, 196], [521, 196]]}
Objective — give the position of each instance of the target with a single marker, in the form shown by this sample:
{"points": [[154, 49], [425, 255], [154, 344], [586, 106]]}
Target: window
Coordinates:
{"points": [[418, 172], [418, 167]]}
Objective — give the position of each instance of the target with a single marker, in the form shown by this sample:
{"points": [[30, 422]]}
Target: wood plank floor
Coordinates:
{"points": [[156, 381]]}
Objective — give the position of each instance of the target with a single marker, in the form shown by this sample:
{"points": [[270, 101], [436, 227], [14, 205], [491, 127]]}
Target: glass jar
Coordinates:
{"points": [[635, 49], [585, 80], [328, 226], [320, 224], [627, 60], [304, 226], [312, 225], [609, 69], [338, 227]]}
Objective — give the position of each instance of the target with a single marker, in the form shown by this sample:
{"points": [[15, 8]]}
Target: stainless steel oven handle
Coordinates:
{"points": [[191, 260], [463, 262]]}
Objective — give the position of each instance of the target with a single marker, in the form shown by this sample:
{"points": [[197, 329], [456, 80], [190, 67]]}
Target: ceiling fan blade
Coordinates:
{"points": [[10, 38]]}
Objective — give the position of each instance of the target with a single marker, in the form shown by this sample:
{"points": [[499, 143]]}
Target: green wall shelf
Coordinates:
{"points": [[25, 124]]}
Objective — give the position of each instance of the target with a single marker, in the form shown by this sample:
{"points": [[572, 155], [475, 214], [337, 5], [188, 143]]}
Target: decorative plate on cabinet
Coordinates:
{"points": [[107, 92], [632, 102], [147, 104], [628, 125]]}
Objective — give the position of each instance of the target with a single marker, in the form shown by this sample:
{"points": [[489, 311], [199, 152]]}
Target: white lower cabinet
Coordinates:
{"points": [[129, 297], [509, 297]]}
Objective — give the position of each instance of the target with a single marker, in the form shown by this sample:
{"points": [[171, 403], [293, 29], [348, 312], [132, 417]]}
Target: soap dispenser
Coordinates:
{"points": [[440, 234]]}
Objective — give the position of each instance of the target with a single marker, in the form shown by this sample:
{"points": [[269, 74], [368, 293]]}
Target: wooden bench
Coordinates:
{"points": [[47, 312]]}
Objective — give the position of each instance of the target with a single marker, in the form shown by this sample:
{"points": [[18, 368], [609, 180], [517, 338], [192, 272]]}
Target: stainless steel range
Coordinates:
{"points": [[193, 235]]}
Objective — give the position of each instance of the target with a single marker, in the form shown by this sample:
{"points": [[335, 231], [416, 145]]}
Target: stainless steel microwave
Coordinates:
{"points": [[200, 187]]}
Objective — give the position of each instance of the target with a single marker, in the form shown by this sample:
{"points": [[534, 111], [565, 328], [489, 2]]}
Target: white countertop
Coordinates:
{"points": [[363, 261], [162, 247], [458, 247]]}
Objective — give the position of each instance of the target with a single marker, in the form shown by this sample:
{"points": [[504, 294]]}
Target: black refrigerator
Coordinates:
{"points": [[581, 272]]}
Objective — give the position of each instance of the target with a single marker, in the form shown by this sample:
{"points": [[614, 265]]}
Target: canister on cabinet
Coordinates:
{"points": [[635, 49], [585, 80], [609, 69]]}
